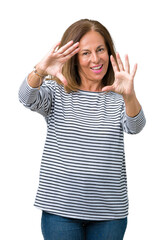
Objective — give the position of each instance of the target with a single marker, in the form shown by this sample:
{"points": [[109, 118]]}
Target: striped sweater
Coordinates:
{"points": [[83, 172]]}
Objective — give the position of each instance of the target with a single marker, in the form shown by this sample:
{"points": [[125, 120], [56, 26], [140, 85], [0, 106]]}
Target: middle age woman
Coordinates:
{"points": [[89, 104]]}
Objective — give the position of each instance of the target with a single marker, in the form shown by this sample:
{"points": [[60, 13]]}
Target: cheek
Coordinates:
{"points": [[106, 60], [83, 63], [106, 64]]}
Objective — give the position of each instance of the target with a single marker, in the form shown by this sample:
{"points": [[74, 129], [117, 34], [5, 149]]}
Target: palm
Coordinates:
{"points": [[124, 80], [55, 68], [123, 83], [53, 62]]}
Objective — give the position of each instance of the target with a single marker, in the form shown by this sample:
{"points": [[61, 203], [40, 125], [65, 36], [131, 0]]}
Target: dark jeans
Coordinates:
{"points": [[60, 228]]}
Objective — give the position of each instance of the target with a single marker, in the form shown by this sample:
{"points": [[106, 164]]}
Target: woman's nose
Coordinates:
{"points": [[94, 58]]}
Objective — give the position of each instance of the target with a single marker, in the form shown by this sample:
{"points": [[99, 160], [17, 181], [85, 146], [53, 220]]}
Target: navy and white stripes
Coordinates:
{"points": [[83, 173]]}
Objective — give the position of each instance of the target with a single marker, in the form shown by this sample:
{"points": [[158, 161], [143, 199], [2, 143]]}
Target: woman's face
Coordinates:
{"points": [[93, 58]]}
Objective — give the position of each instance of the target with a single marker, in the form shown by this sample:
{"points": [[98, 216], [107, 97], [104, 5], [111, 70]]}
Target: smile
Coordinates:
{"points": [[97, 69]]}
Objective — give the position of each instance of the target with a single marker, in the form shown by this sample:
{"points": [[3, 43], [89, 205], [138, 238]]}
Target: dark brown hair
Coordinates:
{"points": [[75, 32]]}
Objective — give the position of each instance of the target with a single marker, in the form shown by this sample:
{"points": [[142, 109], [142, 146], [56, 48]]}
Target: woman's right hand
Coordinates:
{"points": [[53, 62]]}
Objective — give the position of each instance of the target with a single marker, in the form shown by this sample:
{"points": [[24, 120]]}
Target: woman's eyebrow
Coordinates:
{"points": [[102, 45], [84, 49]]}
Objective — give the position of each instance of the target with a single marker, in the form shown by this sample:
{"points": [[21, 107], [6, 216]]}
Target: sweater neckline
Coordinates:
{"points": [[91, 92]]}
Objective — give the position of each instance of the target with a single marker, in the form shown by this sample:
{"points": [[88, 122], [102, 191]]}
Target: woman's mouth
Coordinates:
{"points": [[97, 69]]}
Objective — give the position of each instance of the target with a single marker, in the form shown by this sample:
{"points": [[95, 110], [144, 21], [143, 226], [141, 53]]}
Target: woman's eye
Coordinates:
{"points": [[101, 49], [85, 53]]}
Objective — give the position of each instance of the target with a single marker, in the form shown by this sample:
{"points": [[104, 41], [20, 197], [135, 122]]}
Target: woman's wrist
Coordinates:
{"points": [[34, 80], [36, 77], [132, 105], [39, 71]]}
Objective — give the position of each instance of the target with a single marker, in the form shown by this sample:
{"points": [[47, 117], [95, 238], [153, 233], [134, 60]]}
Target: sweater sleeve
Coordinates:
{"points": [[35, 99], [133, 125]]}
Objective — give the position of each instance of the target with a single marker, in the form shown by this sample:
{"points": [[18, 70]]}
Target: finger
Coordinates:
{"points": [[65, 47], [127, 65], [107, 88], [71, 50], [55, 47], [134, 71], [120, 64], [114, 64], [61, 78], [68, 56]]}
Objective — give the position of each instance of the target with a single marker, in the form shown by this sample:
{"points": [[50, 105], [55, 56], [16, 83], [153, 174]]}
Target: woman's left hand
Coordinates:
{"points": [[124, 80]]}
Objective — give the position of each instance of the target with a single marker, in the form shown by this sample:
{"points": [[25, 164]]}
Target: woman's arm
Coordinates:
{"points": [[132, 106], [35, 79], [52, 64], [37, 95], [124, 84], [37, 99], [133, 119]]}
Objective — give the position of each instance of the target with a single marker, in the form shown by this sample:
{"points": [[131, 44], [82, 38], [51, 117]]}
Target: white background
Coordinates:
{"points": [[28, 30]]}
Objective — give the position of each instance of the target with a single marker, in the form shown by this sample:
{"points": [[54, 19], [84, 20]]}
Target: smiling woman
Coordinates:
{"points": [[81, 31], [83, 188], [93, 61]]}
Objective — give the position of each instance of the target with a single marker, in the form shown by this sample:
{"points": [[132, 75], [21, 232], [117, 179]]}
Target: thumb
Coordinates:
{"points": [[108, 88], [62, 78]]}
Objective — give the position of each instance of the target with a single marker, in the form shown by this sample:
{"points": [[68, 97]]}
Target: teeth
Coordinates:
{"points": [[96, 68]]}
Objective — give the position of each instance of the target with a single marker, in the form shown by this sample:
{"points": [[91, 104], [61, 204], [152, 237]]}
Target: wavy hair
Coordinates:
{"points": [[75, 32]]}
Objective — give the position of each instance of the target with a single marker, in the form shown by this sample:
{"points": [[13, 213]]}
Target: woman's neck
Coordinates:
{"points": [[91, 87]]}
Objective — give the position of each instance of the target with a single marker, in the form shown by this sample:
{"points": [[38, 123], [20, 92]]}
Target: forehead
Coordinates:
{"points": [[91, 39]]}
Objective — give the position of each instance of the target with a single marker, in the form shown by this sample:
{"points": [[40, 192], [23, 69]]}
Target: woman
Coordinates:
{"points": [[82, 189]]}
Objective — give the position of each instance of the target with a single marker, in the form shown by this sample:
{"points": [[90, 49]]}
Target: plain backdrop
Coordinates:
{"points": [[28, 31]]}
